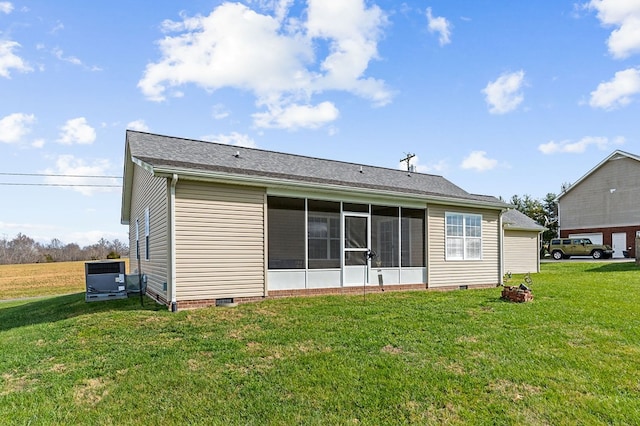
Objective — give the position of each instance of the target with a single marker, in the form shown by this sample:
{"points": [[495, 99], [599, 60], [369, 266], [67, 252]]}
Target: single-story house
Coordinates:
{"points": [[522, 242], [603, 204], [213, 223]]}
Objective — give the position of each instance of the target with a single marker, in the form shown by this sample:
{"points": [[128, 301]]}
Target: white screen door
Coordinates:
{"points": [[356, 247]]}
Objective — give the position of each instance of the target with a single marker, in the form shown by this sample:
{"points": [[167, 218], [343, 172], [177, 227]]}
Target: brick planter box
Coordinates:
{"points": [[516, 294]]}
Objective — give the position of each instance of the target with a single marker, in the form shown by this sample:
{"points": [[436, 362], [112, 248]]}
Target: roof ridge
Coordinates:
{"points": [[284, 153]]}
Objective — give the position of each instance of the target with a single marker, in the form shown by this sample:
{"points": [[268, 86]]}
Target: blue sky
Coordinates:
{"points": [[499, 97]]}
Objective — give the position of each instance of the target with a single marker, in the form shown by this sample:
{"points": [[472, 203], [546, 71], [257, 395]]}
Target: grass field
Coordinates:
{"points": [[41, 279], [463, 357]]}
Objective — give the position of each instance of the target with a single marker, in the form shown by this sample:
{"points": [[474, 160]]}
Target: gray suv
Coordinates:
{"points": [[564, 248]]}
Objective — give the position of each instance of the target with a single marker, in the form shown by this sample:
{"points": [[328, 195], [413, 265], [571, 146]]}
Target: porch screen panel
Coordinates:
{"points": [[385, 233], [412, 228], [323, 233], [286, 232]]}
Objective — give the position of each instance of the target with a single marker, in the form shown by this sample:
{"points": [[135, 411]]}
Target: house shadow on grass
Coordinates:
{"points": [[58, 308]]}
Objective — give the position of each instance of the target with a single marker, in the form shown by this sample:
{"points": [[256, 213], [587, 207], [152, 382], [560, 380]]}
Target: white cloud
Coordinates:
{"points": [[77, 131], [617, 92], [504, 95], [439, 166], [9, 60], [138, 125], [219, 112], [14, 126], [234, 138], [568, 146], [38, 143], [273, 57], [59, 53], [297, 116], [439, 25], [6, 7], [478, 161], [625, 16], [70, 166]]}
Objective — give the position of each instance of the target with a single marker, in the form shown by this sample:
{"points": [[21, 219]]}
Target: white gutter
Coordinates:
{"points": [[172, 241]]}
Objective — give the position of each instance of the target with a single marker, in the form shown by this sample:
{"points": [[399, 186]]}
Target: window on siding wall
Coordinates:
{"points": [[146, 234], [464, 236], [323, 232], [137, 239], [412, 238], [385, 233], [286, 225]]}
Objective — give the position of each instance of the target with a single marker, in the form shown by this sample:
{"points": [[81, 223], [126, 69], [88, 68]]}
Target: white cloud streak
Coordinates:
{"points": [[478, 161], [6, 7], [439, 166], [273, 57], [138, 125], [617, 92], [440, 25], [625, 16], [505, 94], [14, 127], [234, 138], [71, 166], [295, 116], [9, 60], [77, 131], [578, 147]]}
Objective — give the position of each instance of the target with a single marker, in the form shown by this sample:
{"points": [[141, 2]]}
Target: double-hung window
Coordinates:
{"points": [[464, 236]]}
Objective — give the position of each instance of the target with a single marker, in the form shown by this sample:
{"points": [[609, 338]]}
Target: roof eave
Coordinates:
{"points": [[271, 182]]}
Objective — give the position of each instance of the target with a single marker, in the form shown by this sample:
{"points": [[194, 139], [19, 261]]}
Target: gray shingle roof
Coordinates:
{"points": [[187, 155], [514, 219]]}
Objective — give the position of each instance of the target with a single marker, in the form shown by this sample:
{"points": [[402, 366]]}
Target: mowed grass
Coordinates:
{"points": [[463, 357], [41, 279]]}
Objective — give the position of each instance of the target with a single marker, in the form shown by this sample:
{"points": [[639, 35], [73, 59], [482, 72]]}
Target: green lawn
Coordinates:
{"points": [[571, 356]]}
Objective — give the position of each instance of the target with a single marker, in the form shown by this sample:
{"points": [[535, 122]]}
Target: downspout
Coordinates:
{"points": [[501, 251], [172, 241]]}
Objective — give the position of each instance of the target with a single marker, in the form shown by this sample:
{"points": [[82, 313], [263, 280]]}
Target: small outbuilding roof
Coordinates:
{"points": [[516, 220], [196, 159]]}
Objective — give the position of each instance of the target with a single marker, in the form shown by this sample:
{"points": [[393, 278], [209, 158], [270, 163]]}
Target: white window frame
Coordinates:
{"points": [[467, 238], [328, 239]]}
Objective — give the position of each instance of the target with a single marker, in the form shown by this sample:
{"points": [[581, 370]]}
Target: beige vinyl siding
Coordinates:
{"points": [[444, 273], [150, 192], [607, 197], [219, 241], [521, 252]]}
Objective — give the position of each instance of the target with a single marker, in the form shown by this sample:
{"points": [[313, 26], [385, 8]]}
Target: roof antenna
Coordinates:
{"points": [[407, 160]]}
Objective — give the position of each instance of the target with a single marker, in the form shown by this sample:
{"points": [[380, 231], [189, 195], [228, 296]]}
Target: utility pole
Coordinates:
{"points": [[407, 160]]}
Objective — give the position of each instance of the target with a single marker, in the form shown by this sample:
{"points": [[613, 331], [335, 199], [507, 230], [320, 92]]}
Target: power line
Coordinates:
{"points": [[55, 175]]}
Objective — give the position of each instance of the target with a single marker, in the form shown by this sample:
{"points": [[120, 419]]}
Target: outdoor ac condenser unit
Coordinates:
{"points": [[105, 280]]}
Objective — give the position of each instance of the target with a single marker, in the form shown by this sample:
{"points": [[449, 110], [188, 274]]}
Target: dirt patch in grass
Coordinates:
{"points": [[513, 391], [91, 392], [14, 383], [390, 349]]}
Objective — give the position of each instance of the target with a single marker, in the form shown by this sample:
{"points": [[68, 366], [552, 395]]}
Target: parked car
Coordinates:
{"points": [[564, 248]]}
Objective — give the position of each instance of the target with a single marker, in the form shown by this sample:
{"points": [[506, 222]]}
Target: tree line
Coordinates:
{"points": [[544, 212], [23, 249]]}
